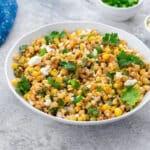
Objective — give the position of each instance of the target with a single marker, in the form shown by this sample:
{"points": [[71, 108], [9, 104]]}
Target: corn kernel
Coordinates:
{"points": [[142, 71], [15, 82], [118, 112], [106, 56], [82, 46], [56, 40], [78, 31], [37, 68], [58, 79], [54, 72], [105, 97], [91, 38], [105, 107], [116, 51], [79, 92], [26, 96], [14, 65], [118, 85], [35, 73], [67, 99], [54, 91]]}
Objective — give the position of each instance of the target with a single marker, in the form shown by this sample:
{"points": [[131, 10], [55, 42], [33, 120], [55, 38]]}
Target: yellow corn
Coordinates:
{"points": [[37, 68], [15, 82], [26, 96], [54, 72], [106, 56], [82, 46], [78, 31], [72, 117], [118, 85], [91, 38], [14, 65], [54, 91], [56, 40], [58, 79], [67, 99], [105, 107], [118, 112], [79, 92], [35, 73]]}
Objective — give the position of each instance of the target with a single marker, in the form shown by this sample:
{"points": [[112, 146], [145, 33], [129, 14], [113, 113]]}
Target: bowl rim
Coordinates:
{"points": [[121, 8], [145, 23], [57, 119]]}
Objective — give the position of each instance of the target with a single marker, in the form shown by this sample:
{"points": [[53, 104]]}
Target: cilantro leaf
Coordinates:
{"points": [[42, 51], [75, 83], [93, 111], [62, 34], [51, 36], [111, 39], [65, 50], [130, 95], [60, 102], [69, 65], [77, 99], [125, 59], [98, 49], [23, 48], [23, 86]]}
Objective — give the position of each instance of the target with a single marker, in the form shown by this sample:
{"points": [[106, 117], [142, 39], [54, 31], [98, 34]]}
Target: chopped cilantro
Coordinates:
{"points": [[99, 49], [111, 39], [53, 110], [82, 36], [125, 59], [62, 34], [69, 65], [42, 51], [75, 83], [125, 72], [60, 102], [130, 95], [23, 48], [57, 85], [111, 75], [50, 80], [65, 50], [23, 86], [91, 55], [93, 112], [99, 89], [77, 99]]}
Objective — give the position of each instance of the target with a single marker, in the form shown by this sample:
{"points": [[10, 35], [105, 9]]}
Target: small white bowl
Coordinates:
{"points": [[132, 41], [147, 29], [119, 14]]}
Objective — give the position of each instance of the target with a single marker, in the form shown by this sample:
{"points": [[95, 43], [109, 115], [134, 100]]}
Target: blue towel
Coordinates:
{"points": [[8, 10]]}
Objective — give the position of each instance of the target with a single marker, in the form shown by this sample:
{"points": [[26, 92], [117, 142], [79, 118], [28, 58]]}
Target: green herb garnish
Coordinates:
{"points": [[75, 83], [77, 99], [23, 48], [57, 85], [65, 50], [23, 86], [42, 51], [62, 34], [99, 89], [130, 95], [111, 39], [50, 80], [60, 102], [125, 72], [125, 59], [98, 49], [93, 112], [69, 65]]}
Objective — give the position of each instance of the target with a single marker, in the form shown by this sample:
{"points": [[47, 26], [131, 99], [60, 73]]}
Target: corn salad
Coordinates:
{"points": [[81, 75]]}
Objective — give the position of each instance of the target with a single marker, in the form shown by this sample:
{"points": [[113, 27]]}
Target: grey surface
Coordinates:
{"points": [[21, 129]]}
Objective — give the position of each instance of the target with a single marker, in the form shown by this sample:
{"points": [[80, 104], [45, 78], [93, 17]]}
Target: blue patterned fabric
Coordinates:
{"points": [[8, 10]]}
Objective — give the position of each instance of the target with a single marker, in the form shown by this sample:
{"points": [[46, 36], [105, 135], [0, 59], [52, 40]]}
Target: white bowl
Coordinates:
{"points": [[119, 14], [147, 29], [133, 42]]}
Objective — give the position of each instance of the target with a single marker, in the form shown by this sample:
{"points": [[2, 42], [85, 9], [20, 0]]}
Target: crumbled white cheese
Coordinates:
{"points": [[34, 60], [71, 98], [88, 30], [95, 52], [119, 75], [88, 86], [130, 82], [45, 70], [83, 32], [47, 102], [48, 49]]}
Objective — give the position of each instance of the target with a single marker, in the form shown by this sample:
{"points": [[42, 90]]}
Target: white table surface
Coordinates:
{"points": [[21, 129]]}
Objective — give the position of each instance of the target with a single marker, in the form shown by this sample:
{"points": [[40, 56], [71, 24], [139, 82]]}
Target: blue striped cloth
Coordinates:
{"points": [[8, 10]]}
